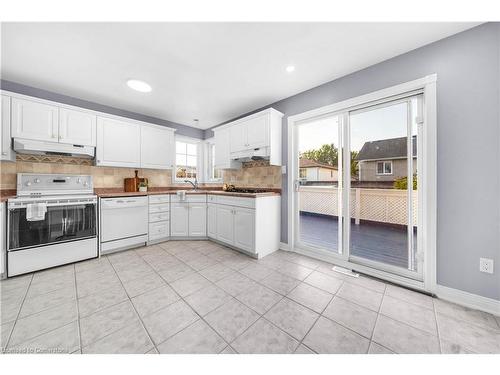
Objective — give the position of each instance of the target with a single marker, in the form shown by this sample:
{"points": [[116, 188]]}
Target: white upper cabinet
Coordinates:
{"points": [[258, 134], [77, 127], [5, 141], [157, 147], [118, 143], [34, 120], [238, 137], [222, 152]]}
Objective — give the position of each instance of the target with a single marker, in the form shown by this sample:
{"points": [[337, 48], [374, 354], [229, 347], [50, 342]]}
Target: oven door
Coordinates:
{"points": [[63, 222]]}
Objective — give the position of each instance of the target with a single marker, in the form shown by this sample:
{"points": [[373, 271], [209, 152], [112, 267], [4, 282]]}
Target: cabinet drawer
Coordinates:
{"points": [[163, 207], [161, 216], [190, 198], [236, 201], [155, 199], [159, 230]]}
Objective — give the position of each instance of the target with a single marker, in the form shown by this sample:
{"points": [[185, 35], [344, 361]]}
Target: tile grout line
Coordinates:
{"points": [[78, 313], [132, 304], [376, 322], [19, 312], [183, 300]]}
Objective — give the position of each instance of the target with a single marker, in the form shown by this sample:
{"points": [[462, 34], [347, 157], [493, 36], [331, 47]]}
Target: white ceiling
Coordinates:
{"points": [[210, 71]]}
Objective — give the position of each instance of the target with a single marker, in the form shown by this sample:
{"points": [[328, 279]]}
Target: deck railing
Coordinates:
{"points": [[380, 205]]}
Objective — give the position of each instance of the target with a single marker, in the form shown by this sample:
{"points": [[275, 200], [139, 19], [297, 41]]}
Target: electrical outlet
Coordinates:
{"points": [[486, 265]]}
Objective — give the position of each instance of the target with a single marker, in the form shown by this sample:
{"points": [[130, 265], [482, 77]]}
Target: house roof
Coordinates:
{"points": [[308, 163], [392, 148]]}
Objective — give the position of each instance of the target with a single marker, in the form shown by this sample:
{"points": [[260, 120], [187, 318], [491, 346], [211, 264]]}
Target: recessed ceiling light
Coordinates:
{"points": [[290, 68], [138, 85]]}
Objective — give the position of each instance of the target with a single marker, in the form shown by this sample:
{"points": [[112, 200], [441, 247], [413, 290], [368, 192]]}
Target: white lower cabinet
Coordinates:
{"points": [[212, 221], [159, 217], [225, 224], [179, 223], [248, 224], [197, 219], [244, 228], [236, 226]]}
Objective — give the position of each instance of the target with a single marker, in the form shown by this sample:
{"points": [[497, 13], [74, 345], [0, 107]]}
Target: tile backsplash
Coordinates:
{"points": [[253, 174]]}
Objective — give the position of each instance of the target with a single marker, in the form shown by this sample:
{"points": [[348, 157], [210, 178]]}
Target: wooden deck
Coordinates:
{"points": [[378, 242]]}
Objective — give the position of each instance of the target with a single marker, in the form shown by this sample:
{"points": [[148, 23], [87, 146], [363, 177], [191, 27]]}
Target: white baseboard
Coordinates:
{"points": [[470, 300], [284, 246]]}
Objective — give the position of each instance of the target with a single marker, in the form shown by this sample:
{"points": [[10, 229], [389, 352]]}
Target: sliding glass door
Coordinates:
{"points": [[356, 186], [383, 144], [318, 184]]}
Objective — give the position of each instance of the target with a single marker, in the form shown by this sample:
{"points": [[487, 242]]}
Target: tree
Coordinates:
{"points": [[327, 154], [402, 183]]}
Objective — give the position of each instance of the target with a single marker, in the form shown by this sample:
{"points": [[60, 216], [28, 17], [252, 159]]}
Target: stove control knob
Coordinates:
{"points": [[85, 183], [78, 180], [28, 183], [37, 180]]}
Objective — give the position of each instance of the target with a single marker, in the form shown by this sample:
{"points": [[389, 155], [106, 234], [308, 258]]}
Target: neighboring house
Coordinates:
{"points": [[310, 170], [385, 159]]}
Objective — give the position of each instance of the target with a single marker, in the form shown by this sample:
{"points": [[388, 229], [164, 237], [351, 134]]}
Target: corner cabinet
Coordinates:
{"points": [[7, 153], [188, 217], [260, 132], [118, 143], [157, 145]]}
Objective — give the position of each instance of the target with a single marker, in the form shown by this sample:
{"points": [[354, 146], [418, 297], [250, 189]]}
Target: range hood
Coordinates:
{"points": [[27, 146], [250, 155]]}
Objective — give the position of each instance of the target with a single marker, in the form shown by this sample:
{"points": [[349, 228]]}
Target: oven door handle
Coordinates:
{"points": [[58, 204]]}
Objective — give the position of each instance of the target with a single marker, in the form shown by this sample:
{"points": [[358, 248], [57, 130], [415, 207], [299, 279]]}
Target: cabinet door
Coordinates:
{"points": [[179, 219], [5, 140], [34, 120], [212, 221], [258, 132], [197, 220], [244, 228], [77, 127], [156, 147], [118, 143], [225, 229], [238, 137], [222, 148]]}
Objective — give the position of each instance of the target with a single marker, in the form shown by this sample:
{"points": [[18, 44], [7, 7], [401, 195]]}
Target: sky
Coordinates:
{"points": [[380, 123]]}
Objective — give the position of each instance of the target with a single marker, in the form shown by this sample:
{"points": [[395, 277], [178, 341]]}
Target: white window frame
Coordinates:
{"points": [[208, 164], [199, 164], [427, 188], [384, 173]]}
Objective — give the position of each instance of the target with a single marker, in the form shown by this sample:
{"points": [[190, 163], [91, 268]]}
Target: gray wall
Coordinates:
{"points": [[48, 95], [468, 212]]}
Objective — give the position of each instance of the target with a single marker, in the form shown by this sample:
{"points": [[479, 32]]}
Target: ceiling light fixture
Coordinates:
{"points": [[290, 68], [138, 85]]}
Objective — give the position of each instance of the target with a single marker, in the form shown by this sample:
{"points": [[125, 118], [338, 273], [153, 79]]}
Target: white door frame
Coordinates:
{"points": [[428, 177]]}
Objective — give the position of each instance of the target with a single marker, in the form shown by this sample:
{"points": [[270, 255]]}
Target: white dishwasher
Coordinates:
{"points": [[124, 223]]}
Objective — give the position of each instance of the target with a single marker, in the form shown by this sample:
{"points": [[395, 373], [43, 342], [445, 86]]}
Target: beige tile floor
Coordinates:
{"points": [[200, 297]]}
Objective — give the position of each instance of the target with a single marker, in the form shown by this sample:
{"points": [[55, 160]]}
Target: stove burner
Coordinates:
{"points": [[243, 190]]}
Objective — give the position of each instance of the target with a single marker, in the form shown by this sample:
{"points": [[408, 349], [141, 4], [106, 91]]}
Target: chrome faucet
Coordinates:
{"points": [[195, 183]]}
